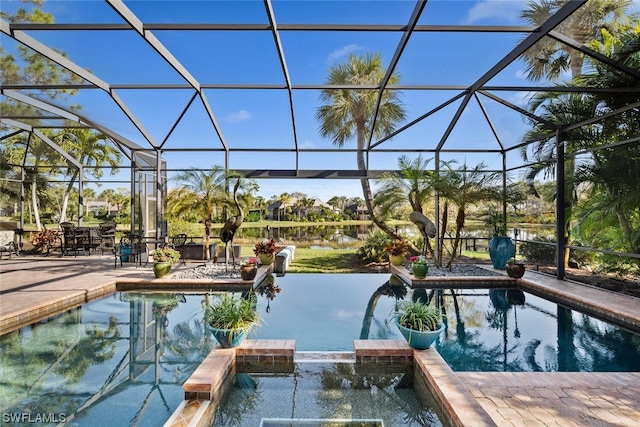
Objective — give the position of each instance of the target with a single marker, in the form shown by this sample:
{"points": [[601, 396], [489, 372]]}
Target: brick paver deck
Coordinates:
{"points": [[510, 399]]}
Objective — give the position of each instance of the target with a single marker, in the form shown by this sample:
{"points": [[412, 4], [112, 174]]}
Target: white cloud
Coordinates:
{"points": [[341, 53], [505, 11], [521, 99], [307, 144], [238, 116]]}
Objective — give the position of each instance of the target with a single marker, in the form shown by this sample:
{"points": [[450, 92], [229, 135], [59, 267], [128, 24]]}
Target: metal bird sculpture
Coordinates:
{"points": [[231, 225], [426, 227]]}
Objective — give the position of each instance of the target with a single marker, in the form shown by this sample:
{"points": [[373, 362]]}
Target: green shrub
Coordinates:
{"points": [[372, 250], [539, 253]]}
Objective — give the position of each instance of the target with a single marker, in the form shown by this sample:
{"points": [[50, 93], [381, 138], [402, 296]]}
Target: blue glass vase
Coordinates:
{"points": [[501, 248]]}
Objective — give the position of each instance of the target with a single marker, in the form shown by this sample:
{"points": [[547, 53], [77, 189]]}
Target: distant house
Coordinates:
{"points": [[96, 206], [357, 212], [277, 209]]}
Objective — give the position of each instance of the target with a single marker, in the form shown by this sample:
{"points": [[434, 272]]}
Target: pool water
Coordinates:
{"points": [[326, 391], [133, 351]]}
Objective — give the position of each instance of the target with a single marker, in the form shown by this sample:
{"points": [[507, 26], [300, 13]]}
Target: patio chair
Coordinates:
{"points": [[7, 244], [132, 248], [107, 236], [71, 239], [177, 242]]}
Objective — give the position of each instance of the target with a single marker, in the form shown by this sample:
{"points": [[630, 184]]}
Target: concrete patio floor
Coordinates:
{"points": [[36, 286]]}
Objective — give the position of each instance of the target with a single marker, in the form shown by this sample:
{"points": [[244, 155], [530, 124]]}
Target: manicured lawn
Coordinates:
{"points": [[323, 261]]}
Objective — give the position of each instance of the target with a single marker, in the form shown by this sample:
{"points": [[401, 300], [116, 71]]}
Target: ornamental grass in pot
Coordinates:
{"points": [[230, 318], [419, 323]]}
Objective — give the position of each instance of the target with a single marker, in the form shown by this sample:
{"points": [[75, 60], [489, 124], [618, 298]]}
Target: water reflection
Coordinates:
{"points": [[501, 330], [116, 352]]}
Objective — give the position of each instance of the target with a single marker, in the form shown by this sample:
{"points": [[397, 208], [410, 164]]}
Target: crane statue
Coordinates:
{"points": [[230, 226], [426, 227]]}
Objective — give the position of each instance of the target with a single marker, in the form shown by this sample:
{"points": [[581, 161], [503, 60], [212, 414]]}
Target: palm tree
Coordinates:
{"points": [[285, 200], [614, 174], [33, 152], [550, 58], [414, 184], [463, 187], [348, 114], [202, 192], [90, 149]]}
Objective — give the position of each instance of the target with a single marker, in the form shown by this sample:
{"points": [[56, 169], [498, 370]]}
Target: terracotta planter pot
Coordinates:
{"points": [[248, 272], [515, 270]]}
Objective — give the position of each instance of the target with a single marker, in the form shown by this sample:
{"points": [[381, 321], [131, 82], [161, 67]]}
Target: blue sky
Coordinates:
{"points": [[251, 118]]}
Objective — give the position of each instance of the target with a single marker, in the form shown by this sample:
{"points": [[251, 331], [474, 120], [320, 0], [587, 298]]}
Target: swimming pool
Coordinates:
{"points": [[134, 351], [315, 393]]}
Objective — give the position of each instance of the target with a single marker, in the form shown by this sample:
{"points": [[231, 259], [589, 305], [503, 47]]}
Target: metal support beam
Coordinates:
{"points": [[560, 207]]}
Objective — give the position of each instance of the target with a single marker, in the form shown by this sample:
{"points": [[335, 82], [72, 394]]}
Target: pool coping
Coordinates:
{"points": [[617, 308], [207, 385], [71, 299]]}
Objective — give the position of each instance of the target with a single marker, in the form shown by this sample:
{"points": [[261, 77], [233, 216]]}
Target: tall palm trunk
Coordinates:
{"points": [[65, 198], [459, 226], [34, 202], [368, 194]]}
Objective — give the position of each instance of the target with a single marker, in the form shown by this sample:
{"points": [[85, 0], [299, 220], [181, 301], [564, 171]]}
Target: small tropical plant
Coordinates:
{"points": [[419, 316], [233, 313], [418, 260], [397, 247], [166, 255], [499, 224], [267, 247], [249, 262]]}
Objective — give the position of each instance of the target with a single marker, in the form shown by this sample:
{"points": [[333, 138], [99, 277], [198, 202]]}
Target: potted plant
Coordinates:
{"points": [[515, 269], [501, 247], [230, 318], [397, 249], [419, 323], [249, 268], [419, 266], [163, 258], [266, 251]]}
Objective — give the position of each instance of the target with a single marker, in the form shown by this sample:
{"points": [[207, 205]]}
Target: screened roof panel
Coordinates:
{"points": [[427, 60], [472, 12], [263, 161], [225, 57], [98, 105], [193, 130], [246, 117], [199, 11], [71, 11], [116, 56], [158, 108], [387, 12], [310, 54]]}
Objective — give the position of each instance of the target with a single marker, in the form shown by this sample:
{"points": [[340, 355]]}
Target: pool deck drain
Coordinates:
{"points": [[32, 288]]}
